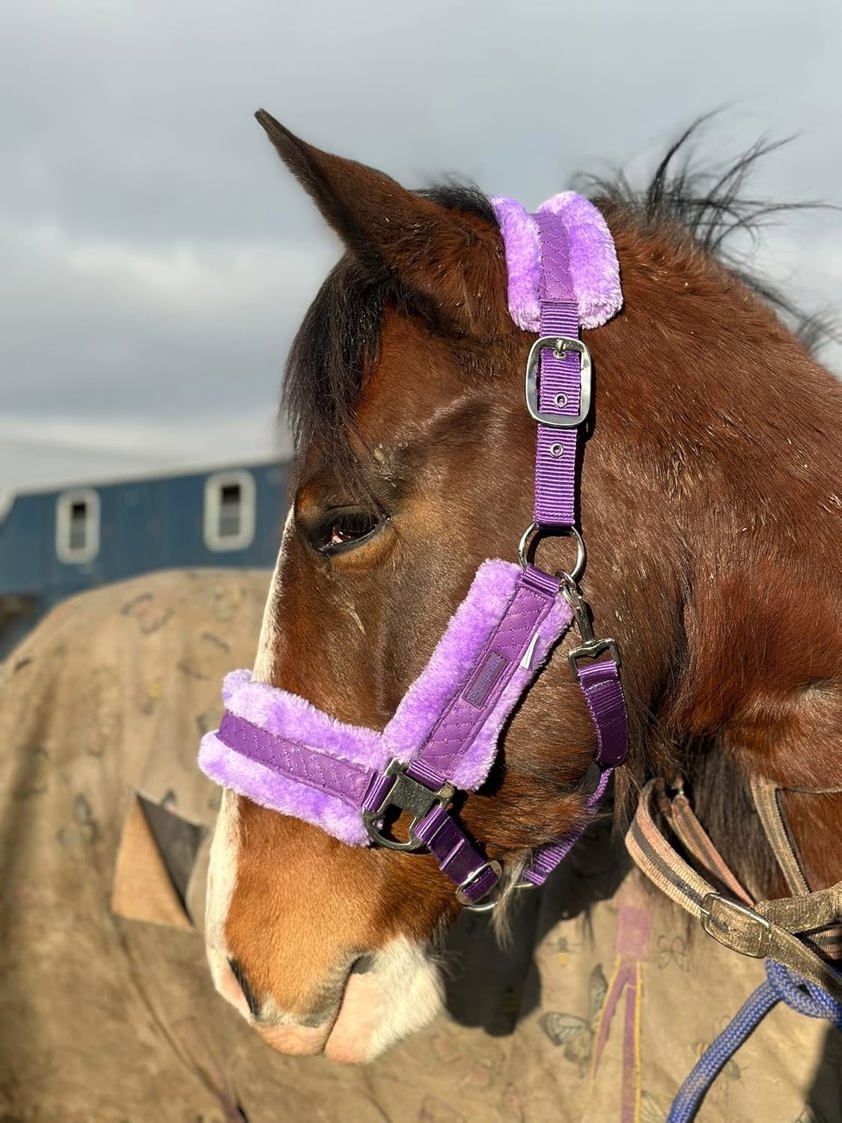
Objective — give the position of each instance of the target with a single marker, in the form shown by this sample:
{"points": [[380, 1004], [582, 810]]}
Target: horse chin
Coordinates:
{"points": [[401, 992]]}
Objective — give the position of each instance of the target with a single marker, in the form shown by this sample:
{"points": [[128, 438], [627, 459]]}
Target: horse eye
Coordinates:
{"points": [[345, 529]]}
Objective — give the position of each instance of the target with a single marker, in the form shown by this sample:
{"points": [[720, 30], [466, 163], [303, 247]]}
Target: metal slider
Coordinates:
{"points": [[462, 895], [736, 926], [405, 794]]}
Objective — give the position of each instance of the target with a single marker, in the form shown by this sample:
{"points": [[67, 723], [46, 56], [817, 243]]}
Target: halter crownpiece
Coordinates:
{"points": [[285, 754], [592, 265]]}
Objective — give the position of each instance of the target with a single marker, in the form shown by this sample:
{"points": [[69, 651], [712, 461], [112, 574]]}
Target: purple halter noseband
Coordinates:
{"points": [[285, 754]]}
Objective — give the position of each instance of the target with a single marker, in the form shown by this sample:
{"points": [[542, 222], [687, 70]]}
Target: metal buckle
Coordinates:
{"points": [[751, 934], [559, 344], [461, 889], [591, 650], [405, 794], [590, 647], [484, 905]]}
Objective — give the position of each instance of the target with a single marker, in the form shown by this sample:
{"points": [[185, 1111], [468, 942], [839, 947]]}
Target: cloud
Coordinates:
{"points": [[155, 258]]}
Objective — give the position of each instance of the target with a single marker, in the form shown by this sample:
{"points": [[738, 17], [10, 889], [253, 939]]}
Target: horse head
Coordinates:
{"points": [[413, 464]]}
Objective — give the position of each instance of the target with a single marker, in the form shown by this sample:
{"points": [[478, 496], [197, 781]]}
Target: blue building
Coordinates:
{"points": [[56, 543]]}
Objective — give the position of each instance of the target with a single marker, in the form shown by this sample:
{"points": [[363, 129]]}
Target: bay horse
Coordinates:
{"points": [[710, 495]]}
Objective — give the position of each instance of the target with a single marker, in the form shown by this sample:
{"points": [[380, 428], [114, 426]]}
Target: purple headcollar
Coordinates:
{"points": [[285, 754]]}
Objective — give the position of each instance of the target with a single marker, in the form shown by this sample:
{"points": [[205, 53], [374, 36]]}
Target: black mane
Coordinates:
{"points": [[711, 206]]}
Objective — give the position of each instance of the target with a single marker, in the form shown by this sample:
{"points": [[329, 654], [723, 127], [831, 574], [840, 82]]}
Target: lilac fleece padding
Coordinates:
{"points": [[452, 663], [278, 792], [522, 244], [450, 666], [286, 715], [594, 268]]}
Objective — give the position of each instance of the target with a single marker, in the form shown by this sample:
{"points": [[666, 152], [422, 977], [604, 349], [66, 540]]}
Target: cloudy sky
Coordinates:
{"points": [[155, 258]]}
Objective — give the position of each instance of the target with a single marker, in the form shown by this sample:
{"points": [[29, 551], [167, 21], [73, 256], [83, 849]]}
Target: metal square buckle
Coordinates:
{"points": [[462, 890], [736, 926], [559, 344], [591, 650], [405, 794]]}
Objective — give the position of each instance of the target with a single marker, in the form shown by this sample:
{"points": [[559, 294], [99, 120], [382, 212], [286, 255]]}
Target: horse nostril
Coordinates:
{"points": [[362, 964], [251, 998]]}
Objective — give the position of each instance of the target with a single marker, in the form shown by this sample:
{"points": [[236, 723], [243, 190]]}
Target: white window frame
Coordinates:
{"points": [[65, 552], [213, 504]]}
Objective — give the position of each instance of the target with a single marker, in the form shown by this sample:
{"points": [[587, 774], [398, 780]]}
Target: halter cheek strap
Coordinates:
{"points": [[287, 755]]}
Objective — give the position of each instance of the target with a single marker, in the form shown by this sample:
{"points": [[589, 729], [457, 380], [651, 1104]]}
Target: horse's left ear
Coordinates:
{"points": [[453, 261]]}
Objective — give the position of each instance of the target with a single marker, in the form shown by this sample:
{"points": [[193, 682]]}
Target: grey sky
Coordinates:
{"points": [[155, 258]]}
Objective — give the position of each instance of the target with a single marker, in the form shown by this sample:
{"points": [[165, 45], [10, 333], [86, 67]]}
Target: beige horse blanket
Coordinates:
{"points": [[596, 1012]]}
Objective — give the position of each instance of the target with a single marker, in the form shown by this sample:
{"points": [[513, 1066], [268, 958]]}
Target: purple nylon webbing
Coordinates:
{"points": [[559, 389], [456, 854], [545, 859], [603, 691], [348, 782]]}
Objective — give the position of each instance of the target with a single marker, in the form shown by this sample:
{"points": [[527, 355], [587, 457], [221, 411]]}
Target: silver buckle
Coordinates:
{"points": [[559, 344], [461, 890], [752, 935], [405, 794], [591, 650]]}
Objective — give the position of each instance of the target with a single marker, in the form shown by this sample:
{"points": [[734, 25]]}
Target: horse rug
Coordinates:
{"points": [[595, 1012]]}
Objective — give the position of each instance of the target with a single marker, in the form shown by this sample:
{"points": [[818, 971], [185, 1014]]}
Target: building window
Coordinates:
{"points": [[229, 521], [77, 526]]}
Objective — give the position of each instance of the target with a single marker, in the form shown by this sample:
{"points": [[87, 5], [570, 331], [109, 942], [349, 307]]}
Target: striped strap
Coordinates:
{"points": [[766, 795], [768, 929]]}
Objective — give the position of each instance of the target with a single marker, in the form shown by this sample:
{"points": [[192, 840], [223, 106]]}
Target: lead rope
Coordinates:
{"points": [[766, 929], [781, 985]]}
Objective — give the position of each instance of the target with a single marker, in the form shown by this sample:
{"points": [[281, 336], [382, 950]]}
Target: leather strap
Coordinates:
{"points": [[766, 795], [695, 839], [766, 930]]}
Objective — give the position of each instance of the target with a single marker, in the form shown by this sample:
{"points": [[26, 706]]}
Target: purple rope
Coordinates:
{"points": [[782, 985]]}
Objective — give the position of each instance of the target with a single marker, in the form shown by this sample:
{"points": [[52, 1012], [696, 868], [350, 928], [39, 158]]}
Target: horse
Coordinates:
{"points": [[711, 502]]}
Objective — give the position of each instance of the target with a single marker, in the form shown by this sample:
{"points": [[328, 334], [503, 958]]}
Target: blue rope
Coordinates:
{"points": [[782, 985]]}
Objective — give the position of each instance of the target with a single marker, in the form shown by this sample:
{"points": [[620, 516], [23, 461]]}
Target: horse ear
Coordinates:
{"points": [[451, 259]]}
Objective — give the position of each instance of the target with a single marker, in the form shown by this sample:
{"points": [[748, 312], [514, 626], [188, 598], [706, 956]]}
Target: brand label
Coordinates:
{"points": [[485, 679]]}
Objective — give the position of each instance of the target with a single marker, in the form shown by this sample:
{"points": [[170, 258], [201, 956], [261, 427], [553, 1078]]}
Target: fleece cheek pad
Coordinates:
{"points": [[293, 758]]}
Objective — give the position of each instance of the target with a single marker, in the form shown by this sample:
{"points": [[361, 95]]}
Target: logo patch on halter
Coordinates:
{"points": [[484, 680]]}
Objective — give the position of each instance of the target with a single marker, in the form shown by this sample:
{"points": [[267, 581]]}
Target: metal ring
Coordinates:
{"points": [[525, 543], [461, 889], [491, 905], [534, 530]]}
